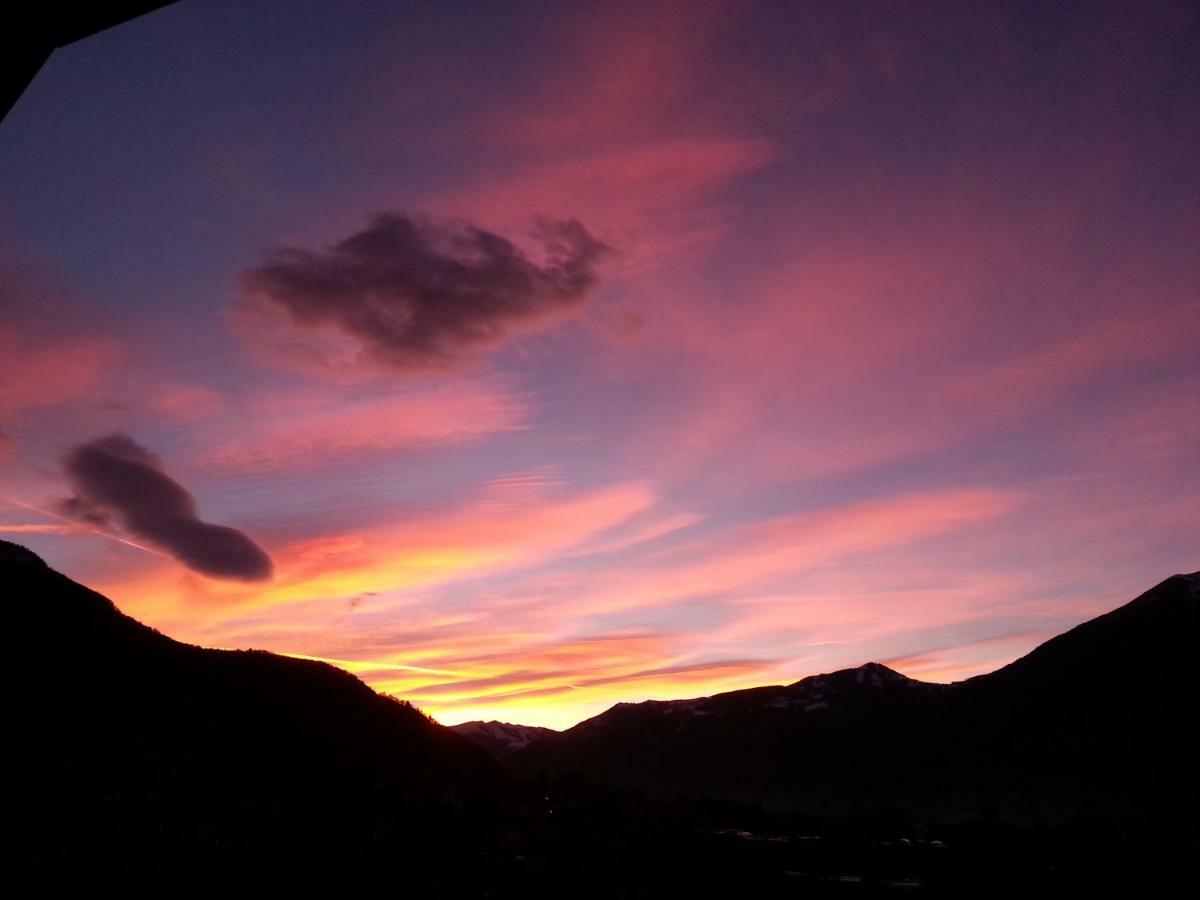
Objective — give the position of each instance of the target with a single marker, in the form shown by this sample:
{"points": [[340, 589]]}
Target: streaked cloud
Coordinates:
{"points": [[307, 428]]}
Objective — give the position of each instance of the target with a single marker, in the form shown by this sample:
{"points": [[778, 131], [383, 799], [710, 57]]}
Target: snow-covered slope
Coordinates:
{"points": [[502, 738]]}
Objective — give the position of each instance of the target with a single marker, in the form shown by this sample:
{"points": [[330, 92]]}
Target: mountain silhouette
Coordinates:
{"points": [[156, 768], [166, 769], [1093, 725]]}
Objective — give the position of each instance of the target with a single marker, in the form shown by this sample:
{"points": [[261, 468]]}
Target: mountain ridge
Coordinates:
{"points": [[161, 767], [1037, 740], [280, 774], [1187, 581]]}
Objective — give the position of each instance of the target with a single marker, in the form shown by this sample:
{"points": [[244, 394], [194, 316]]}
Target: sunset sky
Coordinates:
{"points": [[523, 358]]}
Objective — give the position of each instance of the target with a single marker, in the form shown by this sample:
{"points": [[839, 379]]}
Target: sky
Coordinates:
{"points": [[526, 358]]}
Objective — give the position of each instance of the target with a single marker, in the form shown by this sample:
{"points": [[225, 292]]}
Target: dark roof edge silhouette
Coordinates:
{"points": [[44, 27]]}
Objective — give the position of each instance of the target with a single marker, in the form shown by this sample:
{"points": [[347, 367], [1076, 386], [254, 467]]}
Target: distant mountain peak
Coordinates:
{"points": [[874, 670], [872, 674], [501, 738]]}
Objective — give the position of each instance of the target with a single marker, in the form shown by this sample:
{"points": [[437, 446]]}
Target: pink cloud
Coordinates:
{"points": [[961, 661], [633, 136], [70, 370], [650, 200], [187, 402], [854, 345], [309, 428], [619, 75], [736, 560]]}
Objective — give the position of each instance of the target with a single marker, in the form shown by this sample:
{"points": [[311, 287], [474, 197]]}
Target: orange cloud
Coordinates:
{"points": [[553, 681], [466, 612], [28, 528], [414, 553], [470, 541]]}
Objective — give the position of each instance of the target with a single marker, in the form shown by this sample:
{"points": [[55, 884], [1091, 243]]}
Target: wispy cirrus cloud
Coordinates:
{"points": [[308, 428], [187, 402], [657, 198]]}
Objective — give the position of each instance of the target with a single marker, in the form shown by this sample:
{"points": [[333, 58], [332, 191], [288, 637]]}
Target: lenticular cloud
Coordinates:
{"points": [[117, 482], [408, 294]]}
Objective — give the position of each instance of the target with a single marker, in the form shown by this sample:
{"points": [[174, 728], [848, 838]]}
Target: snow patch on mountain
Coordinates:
{"points": [[500, 738]]}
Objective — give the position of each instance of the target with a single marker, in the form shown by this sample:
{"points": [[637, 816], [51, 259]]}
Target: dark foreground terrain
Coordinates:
{"points": [[148, 767]]}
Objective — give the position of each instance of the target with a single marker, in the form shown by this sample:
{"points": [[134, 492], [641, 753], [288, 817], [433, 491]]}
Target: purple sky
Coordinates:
{"points": [[526, 357]]}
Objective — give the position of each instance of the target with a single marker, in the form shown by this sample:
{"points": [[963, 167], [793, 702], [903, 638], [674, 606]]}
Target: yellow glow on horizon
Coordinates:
{"points": [[549, 649]]}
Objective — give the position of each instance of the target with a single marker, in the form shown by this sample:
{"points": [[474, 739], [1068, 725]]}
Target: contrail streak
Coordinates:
{"points": [[83, 525]]}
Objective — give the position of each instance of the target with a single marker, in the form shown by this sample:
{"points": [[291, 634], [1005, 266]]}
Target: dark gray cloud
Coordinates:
{"points": [[118, 482], [413, 294]]}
